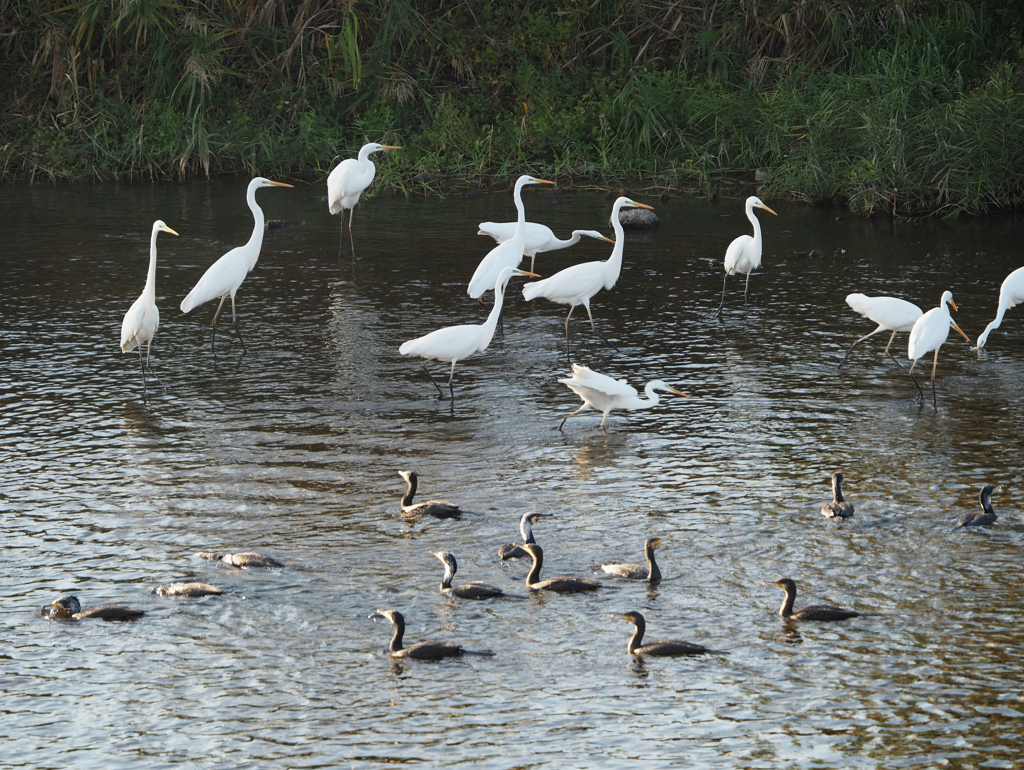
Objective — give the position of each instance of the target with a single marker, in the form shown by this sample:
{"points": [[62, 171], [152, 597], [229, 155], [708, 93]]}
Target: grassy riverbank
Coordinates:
{"points": [[904, 108]]}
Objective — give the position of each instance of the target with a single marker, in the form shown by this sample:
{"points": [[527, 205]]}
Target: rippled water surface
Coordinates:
{"points": [[294, 449]]}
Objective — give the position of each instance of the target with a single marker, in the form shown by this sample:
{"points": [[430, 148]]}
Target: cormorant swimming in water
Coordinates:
{"points": [[514, 550], [188, 590], [242, 560], [474, 590], [561, 584], [811, 612], [442, 509], [651, 572], [987, 515], [69, 608], [838, 508], [661, 648], [420, 650]]}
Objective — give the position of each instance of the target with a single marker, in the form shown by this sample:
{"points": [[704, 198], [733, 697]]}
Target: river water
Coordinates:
{"points": [[294, 450]]}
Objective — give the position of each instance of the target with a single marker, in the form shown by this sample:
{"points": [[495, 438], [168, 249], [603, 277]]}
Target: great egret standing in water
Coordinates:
{"points": [[508, 253], [928, 334], [143, 317], [225, 275], [453, 343], [1011, 294], [744, 253], [601, 392], [890, 313], [539, 238], [577, 284], [347, 182]]}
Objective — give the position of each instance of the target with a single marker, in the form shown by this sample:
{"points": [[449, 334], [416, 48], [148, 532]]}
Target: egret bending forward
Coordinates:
{"points": [[928, 334], [577, 284], [744, 253], [453, 343], [143, 317], [601, 392], [1011, 294], [225, 275], [539, 238], [347, 182], [890, 313]]}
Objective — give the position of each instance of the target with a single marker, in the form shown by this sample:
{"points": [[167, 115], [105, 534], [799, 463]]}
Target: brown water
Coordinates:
{"points": [[294, 449]]}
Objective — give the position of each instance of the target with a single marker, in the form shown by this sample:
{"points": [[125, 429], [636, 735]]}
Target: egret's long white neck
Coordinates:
{"points": [[487, 327], [653, 399], [256, 240], [150, 290], [757, 225], [1003, 306], [367, 164], [613, 265], [520, 233]]}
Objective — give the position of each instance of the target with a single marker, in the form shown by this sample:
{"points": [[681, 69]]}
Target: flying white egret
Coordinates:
{"points": [[601, 392], [928, 334], [539, 238], [507, 253], [577, 284], [453, 343], [890, 313], [1011, 294], [226, 274], [143, 317], [744, 253], [346, 183]]}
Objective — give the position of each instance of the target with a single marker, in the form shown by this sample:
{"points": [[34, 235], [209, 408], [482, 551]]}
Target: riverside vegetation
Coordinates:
{"points": [[907, 108]]}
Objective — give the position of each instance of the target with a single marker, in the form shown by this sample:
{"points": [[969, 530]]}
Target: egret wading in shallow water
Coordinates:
{"points": [[420, 650], [508, 253], [453, 343], [440, 509], [539, 238], [347, 182], [890, 313], [143, 318], [1011, 294], [812, 612], [665, 648], [838, 508], [225, 275], [601, 392], [928, 334], [744, 253], [987, 515], [577, 284]]}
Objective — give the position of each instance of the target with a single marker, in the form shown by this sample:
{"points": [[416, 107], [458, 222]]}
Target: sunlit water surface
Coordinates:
{"points": [[294, 449]]}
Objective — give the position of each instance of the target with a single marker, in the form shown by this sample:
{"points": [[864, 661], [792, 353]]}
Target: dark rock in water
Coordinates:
{"points": [[277, 224], [760, 175], [637, 219], [814, 254], [473, 195], [802, 254]]}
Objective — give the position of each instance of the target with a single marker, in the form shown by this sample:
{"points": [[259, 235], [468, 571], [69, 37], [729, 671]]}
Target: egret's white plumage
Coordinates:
{"points": [[890, 313], [453, 343], [224, 276], [1011, 294], [744, 253], [349, 179], [577, 284], [928, 334], [539, 238], [508, 253], [143, 318], [601, 392]]}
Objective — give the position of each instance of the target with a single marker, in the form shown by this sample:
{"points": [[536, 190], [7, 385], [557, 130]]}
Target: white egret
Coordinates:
{"points": [[601, 392], [225, 275], [539, 238], [346, 183], [890, 313], [453, 343], [143, 317], [928, 334], [577, 284], [507, 253], [1011, 294], [744, 253]]}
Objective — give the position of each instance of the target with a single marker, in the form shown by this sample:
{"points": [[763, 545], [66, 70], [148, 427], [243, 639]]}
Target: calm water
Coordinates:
{"points": [[294, 449]]}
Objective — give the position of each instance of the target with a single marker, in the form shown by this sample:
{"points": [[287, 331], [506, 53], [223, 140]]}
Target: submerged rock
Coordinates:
{"points": [[638, 219]]}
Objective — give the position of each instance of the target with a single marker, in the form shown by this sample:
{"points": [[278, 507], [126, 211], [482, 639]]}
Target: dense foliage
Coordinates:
{"points": [[906, 107]]}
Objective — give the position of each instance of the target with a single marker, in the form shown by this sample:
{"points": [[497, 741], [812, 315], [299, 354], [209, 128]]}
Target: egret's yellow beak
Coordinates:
{"points": [[523, 272], [607, 239], [541, 181], [391, 147], [643, 206], [960, 330], [679, 392], [281, 184], [166, 229], [762, 206]]}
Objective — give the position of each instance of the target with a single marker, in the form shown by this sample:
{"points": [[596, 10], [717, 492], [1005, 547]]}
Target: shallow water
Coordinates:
{"points": [[294, 449]]}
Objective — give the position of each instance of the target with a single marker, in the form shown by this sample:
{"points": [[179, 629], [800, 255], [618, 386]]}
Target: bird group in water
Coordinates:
{"points": [[574, 286]]}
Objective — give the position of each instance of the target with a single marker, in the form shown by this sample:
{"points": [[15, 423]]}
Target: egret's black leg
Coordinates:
{"points": [[213, 336], [451, 377], [745, 290], [143, 366], [891, 338], [570, 415], [722, 303], [855, 344], [351, 238], [234, 323], [440, 393], [920, 393], [592, 326], [935, 363], [149, 349]]}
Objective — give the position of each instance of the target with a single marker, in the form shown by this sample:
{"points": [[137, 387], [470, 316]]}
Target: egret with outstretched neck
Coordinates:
{"points": [[225, 275], [142, 320], [744, 253], [540, 239], [601, 392], [890, 313], [347, 182], [1011, 294]]}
